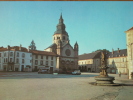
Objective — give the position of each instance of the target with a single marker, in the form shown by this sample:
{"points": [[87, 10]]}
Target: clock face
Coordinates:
{"points": [[68, 52]]}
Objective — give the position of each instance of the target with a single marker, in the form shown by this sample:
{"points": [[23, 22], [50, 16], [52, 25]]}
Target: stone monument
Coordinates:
{"points": [[103, 78]]}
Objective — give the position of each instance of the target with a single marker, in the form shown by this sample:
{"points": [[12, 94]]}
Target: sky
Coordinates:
{"points": [[93, 24]]}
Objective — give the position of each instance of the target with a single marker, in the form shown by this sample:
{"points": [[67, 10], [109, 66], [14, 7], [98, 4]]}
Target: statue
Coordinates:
{"points": [[103, 66]]}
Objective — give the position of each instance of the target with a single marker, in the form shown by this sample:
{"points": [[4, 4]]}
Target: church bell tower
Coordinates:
{"points": [[60, 34]]}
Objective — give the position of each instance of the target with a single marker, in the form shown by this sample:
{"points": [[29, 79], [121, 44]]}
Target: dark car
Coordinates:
{"points": [[42, 71]]}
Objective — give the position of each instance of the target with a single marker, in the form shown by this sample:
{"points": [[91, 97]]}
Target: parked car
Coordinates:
{"points": [[42, 71], [69, 72], [76, 72]]}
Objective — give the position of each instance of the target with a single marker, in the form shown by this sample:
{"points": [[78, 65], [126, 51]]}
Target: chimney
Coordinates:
{"points": [[28, 48], [8, 47], [20, 47], [118, 50], [112, 51]]}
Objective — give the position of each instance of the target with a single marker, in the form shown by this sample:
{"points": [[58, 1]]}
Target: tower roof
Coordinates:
{"points": [[60, 27]]}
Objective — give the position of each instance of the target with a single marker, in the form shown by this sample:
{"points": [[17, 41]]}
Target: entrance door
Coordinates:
{"points": [[16, 69], [22, 68], [36, 69], [89, 69], [51, 69]]}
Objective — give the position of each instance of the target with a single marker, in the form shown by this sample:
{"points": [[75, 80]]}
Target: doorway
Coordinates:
{"points": [[22, 68]]}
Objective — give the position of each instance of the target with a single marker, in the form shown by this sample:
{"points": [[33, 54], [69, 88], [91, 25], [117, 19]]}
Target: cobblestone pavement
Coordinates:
{"points": [[33, 86]]}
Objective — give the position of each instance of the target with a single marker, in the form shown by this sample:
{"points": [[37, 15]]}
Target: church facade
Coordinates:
{"points": [[67, 56]]}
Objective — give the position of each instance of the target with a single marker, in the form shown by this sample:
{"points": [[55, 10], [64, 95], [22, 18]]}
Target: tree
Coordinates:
{"points": [[103, 50]]}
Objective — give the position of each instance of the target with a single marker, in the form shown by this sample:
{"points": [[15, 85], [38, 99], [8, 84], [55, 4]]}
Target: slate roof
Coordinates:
{"points": [[51, 46], [42, 52], [92, 55], [122, 52]]}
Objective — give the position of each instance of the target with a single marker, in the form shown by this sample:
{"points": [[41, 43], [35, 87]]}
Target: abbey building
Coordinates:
{"points": [[67, 56], [60, 56]]}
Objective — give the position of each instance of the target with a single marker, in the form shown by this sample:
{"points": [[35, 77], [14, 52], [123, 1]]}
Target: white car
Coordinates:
{"points": [[76, 72]]}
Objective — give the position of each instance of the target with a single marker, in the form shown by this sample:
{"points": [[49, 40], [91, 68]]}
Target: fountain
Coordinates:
{"points": [[103, 78]]}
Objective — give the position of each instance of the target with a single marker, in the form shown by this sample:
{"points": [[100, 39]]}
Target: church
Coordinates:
{"points": [[67, 56], [59, 56]]}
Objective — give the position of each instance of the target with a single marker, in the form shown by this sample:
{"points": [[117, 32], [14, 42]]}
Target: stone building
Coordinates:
{"points": [[16, 58], [117, 61], [67, 56], [129, 41], [43, 59], [89, 62]]}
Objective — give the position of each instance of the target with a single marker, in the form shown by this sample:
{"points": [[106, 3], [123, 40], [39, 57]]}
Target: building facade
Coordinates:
{"points": [[67, 56], [129, 41], [117, 61], [43, 59], [15, 58], [89, 62]]}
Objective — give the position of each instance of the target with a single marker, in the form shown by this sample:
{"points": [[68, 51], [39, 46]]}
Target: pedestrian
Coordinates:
{"points": [[119, 74]]}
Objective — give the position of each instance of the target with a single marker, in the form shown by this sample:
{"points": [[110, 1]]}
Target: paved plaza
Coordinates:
{"points": [[34, 86]]}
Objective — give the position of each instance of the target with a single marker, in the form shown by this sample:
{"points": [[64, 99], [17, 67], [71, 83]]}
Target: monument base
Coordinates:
{"points": [[104, 81]]}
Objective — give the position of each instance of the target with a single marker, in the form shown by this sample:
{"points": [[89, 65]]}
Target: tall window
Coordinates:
{"points": [[46, 62], [4, 54], [0, 54], [22, 60], [17, 60], [36, 62], [51, 63], [41, 56], [46, 57], [6, 59], [17, 54], [10, 59], [36, 56], [51, 57], [23, 55], [11, 53], [41, 62]]}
